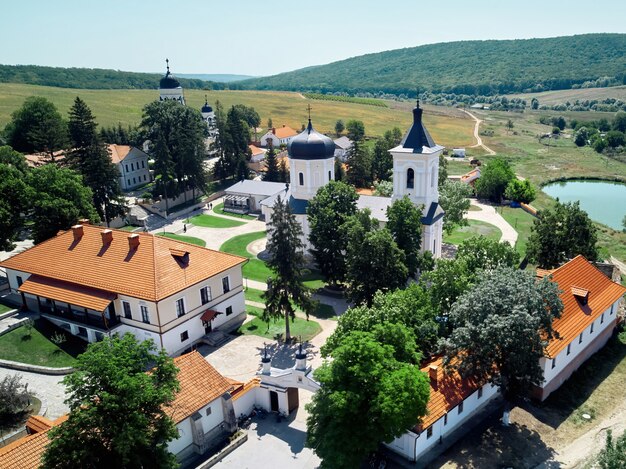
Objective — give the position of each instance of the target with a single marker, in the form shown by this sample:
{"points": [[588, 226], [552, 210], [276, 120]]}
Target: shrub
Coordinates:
{"points": [[520, 191], [14, 396]]}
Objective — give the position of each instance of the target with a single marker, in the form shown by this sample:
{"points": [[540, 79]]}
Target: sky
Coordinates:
{"points": [[264, 38]]}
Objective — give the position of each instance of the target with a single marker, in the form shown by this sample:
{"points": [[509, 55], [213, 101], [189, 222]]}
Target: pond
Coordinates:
{"points": [[604, 201]]}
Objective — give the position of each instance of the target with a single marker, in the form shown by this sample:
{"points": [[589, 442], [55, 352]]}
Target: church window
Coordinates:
{"points": [[410, 178], [301, 179]]}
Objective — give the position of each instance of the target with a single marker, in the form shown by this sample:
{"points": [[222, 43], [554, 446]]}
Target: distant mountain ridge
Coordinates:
{"points": [[217, 77], [466, 67]]}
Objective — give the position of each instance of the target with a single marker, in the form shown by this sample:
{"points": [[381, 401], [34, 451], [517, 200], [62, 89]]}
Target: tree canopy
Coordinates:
{"points": [[13, 202], [118, 411], [367, 396], [454, 200], [520, 191], [405, 225], [495, 176], [561, 233]]}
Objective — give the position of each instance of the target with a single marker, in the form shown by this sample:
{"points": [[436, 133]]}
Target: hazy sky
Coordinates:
{"points": [[263, 38]]}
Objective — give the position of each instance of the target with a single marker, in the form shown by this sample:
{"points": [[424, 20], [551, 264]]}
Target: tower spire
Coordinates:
{"points": [[310, 126], [206, 100], [167, 65], [417, 94]]}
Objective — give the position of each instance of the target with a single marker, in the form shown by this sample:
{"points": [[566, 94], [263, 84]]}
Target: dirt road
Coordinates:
{"points": [[479, 141]]}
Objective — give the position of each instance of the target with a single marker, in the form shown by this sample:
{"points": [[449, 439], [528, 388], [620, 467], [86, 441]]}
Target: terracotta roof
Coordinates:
{"points": [[285, 132], [149, 272], [38, 424], [449, 391], [37, 159], [541, 273], [256, 150], [24, 453], [200, 384], [241, 389], [580, 275], [119, 152], [209, 315], [71, 293]]}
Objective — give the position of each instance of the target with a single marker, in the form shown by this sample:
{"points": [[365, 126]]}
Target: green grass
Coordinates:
{"points": [[5, 308], [458, 167], [522, 222], [220, 210], [128, 228], [38, 349], [300, 327], [475, 228], [255, 269], [253, 294], [187, 239], [209, 221], [323, 311], [125, 106]]}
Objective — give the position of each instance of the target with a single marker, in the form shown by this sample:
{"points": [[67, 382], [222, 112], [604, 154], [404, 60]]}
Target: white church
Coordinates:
{"points": [[312, 165]]}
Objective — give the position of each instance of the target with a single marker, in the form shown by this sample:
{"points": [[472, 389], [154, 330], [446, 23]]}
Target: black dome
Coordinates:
{"points": [[168, 82], [207, 108], [311, 145]]}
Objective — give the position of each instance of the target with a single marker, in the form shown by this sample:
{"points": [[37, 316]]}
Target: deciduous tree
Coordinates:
{"points": [[13, 203], [286, 288], [367, 396], [561, 233], [118, 411], [454, 200], [405, 225], [339, 127], [482, 344], [13, 158], [356, 130], [494, 177], [520, 191]]}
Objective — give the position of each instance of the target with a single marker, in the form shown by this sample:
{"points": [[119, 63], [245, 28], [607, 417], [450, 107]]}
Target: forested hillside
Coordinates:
{"points": [[91, 78], [468, 67]]}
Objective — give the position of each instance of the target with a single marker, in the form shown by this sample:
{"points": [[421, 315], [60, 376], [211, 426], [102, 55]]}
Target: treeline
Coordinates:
{"points": [[92, 78], [469, 67]]}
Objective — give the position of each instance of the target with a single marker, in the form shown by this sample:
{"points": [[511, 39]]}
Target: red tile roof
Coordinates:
{"points": [[580, 276], [149, 272], [73, 294], [119, 152], [285, 132]]}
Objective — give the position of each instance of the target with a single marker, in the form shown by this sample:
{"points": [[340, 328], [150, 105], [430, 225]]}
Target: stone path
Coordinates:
{"points": [[488, 214]]}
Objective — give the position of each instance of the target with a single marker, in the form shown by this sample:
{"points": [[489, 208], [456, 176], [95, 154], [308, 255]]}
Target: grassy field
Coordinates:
{"points": [[300, 327], [37, 349], [187, 239], [209, 221], [220, 210], [550, 98], [124, 106], [5, 308], [475, 228], [522, 222]]}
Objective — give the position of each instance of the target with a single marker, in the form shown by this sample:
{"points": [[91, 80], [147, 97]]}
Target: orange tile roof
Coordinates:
{"points": [[149, 272], [38, 423], [581, 275], [24, 453], [255, 150], [71, 293], [200, 384], [285, 132], [450, 390], [241, 389], [119, 152]]}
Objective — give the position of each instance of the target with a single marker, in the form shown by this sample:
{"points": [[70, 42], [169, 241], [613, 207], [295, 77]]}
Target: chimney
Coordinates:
{"points": [[107, 237], [133, 241], [432, 372], [266, 363], [274, 130], [84, 221], [301, 359], [78, 232]]}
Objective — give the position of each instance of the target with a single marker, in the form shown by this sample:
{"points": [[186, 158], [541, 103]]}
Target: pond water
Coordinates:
{"points": [[604, 201]]}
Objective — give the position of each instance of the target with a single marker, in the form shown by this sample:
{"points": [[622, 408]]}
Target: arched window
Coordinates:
{"points": [[301, 178], [410, 178]]}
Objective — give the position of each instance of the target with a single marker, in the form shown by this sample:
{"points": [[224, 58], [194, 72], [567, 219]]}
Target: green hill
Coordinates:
{"points": [[91, 78], [468, 67]]}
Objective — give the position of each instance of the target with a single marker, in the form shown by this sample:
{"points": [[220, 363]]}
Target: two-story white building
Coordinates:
{"points": [[132, 164], [93, 281], [278, 136]]}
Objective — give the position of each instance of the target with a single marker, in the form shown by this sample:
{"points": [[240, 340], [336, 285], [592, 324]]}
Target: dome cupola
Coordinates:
{"points": [[311, 145], [168, 82]]}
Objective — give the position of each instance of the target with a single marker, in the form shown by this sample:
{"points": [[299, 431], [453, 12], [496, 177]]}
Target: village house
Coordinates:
{"points": [[278, 136], [202, 411], [342, 146], [590, 302], [257, 154], [93, 281], [132, 164]]}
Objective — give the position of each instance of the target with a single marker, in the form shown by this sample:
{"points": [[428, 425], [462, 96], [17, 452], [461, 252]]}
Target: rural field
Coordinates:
{"points": [[551, 98], [449, 127]]}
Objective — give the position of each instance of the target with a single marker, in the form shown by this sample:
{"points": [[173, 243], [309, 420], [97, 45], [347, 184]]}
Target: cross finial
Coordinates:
{"points": [[417, 94], [206, 100], [300, 338], [167, 64], [309, 109]]}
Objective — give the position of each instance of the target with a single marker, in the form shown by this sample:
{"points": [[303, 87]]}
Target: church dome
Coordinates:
{"points": [[168, 82], [311, 145], [206, 107]]}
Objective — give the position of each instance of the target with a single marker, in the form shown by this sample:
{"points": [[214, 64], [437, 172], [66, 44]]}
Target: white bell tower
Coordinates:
{"points": [[416, 175]]}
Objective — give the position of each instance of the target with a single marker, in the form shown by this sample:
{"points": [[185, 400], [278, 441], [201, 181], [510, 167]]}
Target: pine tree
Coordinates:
{"points": [[359, 165], [272, 174], [340, 172], [90, 157], [283, 171], [286, 249]]}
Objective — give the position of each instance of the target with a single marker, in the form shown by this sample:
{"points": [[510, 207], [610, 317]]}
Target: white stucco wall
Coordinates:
{"points": [[315, 175]]}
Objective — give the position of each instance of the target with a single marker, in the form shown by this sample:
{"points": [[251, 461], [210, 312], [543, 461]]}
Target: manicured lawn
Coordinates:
{"points": [[220, 210], [299, 327], [128, 228], [475, 228], [209, 221], [238, 244], [38, 349], [522, 222], [323, 311], [5, 308], [187, 239], [254, 295]]}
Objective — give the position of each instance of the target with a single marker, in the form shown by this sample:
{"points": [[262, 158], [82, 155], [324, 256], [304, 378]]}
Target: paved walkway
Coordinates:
{"points": [[488, 214]]}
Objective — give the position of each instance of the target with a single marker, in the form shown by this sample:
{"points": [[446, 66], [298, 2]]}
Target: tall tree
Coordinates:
{"points": [[285, 289], [382, 161], [58, 198], [356, 130], [502, 301], [37, 127], [90, 157], [367, 397], [283, 171], [443, 170], [183, 132], [454, 200], [13, 158], [272, 172], [494, 177], [561, 233], [359, 165], [13, 202], [327, 212], [340, 173], [339, 127], [118, 412], [233, 144], [405, 225]]}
